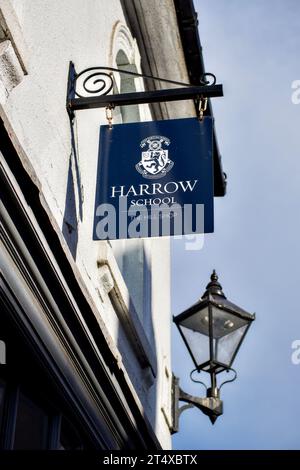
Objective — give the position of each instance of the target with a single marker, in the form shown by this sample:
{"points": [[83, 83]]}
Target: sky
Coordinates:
{"points": [[253, 48]]}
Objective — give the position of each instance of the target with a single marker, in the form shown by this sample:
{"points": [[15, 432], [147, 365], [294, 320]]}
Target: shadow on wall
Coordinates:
{"points": [[72, 214]]}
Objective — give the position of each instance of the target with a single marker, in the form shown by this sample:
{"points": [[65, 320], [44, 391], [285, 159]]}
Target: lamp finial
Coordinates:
{"points": [[214, 287]]}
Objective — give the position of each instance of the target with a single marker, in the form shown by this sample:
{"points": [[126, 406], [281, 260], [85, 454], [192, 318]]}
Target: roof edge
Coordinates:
{"points": [[187, 19]]}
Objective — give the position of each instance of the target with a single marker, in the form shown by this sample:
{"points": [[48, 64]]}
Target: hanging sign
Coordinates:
{"points": [[154, 179]]}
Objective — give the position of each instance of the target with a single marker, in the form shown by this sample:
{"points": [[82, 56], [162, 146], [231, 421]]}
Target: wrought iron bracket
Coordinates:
{"points": [[97, 81], [210, 406]]}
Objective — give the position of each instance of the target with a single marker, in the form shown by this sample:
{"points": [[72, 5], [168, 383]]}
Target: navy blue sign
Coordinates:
{"points": [[154, 179]]}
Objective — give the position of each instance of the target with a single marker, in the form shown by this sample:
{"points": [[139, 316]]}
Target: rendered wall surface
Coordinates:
{"points": [[37, 40]]}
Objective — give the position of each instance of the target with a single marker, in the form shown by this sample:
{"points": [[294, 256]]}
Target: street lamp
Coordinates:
{"points": [[213, 330]]}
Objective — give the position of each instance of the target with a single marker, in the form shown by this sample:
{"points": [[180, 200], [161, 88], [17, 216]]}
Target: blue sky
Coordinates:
{"points": [[253, 48]]}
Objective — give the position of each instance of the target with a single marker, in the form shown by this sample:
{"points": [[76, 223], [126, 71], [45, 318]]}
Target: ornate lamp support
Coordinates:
{"points": [[211, 405]]}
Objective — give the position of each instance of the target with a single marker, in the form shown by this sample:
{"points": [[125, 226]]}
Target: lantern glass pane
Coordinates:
{"points": [[225, 323], [228, 331], [195, 330], [198, 344], [226, 346]]}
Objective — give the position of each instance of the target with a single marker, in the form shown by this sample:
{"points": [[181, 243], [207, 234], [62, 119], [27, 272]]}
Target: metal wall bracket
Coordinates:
{"points": [[210, 406], [97, 81]]}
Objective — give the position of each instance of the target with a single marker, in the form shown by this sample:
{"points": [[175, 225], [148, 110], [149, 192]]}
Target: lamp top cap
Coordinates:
{"points": [[214, 287]]}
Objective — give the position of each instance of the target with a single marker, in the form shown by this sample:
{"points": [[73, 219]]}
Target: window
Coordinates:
{"points": [[134, 263], [31, 417], [2, 388], [132, 256], [127, 85], [32, 413], [69, 437]]}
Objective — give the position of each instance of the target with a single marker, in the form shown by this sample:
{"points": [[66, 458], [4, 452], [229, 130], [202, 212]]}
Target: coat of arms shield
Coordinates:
{"points": [[155, 161]]}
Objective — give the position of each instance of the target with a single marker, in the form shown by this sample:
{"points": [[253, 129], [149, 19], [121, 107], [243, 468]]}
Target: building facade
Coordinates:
{"points": [[85, 324]]}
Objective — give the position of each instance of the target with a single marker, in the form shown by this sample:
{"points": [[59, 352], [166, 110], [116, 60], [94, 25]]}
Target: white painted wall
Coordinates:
{"points": [[46, 35]]}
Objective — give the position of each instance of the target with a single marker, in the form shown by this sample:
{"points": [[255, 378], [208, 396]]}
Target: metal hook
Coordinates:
{"points": [[109, 115], [202, 107]]}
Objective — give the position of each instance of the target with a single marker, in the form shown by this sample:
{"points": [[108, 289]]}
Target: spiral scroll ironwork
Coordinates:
{"points": [[208, 79], [97, 82], [195, 380], [230, 369], [100, 82]]}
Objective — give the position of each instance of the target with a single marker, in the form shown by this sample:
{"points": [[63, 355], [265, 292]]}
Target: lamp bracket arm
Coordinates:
{"points": [[184, 407], [206, 405], [210, 406]]}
